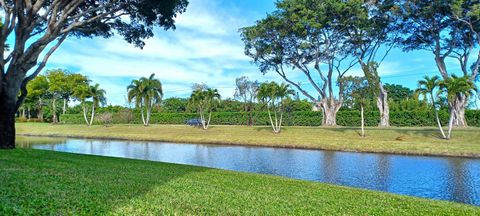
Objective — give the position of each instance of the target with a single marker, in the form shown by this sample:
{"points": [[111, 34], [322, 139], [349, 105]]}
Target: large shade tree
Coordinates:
{"points": [[371, 34], [447, 29], [37, 28], [38, 93], [72, 81], [302, 36], [57, 87]]}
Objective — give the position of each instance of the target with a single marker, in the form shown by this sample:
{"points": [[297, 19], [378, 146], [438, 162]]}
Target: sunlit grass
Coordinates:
{"points": [[422, 141], [36, 182]]}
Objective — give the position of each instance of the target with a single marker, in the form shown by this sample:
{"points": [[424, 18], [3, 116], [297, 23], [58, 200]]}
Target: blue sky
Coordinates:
{"points": [[205, 48]]}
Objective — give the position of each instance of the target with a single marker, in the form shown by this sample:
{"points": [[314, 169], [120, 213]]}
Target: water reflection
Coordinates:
{"points": [[448, 178]]}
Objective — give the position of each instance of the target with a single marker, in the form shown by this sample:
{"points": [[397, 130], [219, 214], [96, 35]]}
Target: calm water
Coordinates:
{"points": [[443, 178]]}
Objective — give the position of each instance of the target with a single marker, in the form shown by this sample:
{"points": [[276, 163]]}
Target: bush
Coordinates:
{"points": [[21, 119], [304, 118], [105, 118], [125, 116]]}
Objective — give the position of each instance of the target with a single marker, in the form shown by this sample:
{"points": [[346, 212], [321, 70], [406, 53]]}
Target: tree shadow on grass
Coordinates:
{"points": [[45, 182], [424, 132], [269, 129]]}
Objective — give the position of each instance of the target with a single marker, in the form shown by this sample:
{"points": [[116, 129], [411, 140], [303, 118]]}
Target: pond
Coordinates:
{"points": [[443, 178]]}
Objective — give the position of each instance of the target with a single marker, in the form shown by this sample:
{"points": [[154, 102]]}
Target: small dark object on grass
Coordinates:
{"points": [[194, 122], [401, 138]]}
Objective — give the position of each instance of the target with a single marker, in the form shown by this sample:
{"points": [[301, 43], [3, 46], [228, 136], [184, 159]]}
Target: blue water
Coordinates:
{"points": [[441, 178]]}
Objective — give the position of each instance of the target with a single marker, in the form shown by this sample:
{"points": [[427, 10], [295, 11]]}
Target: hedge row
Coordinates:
{"points": [[308, 118]]}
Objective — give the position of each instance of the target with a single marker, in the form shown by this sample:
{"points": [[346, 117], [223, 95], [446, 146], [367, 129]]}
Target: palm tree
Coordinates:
{"points": [[82, 93], [205, 100], [426, 87], [135, 92], [273, 95], [456, 87], [153, 93], [98, 98], [147, 92]]}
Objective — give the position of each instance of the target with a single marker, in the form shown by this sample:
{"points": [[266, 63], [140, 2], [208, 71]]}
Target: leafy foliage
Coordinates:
{"points": [[304, 118]]}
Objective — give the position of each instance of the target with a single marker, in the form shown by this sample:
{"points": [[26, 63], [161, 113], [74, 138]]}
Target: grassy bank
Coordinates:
{"points": [[43, 182], [420, 141]]}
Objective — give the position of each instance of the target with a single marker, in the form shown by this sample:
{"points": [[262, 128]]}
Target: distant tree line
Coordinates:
{"points": [[59, 87]]}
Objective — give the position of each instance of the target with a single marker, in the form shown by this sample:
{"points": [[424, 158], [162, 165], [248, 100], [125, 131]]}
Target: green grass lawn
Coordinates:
{"points": [[40, 182], [420, 141]]}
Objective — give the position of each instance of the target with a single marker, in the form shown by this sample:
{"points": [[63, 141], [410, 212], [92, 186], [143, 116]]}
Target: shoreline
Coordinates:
{"points": [[283, 146]]}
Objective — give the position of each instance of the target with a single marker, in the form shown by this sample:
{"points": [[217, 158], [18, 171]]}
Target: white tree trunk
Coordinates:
{"points": [[143, 116], [436, 117], [271, 120], [459, 107], [54, 111], [208, 122], [93, 114], [64, 106], [383, 108], [85, 114], [450, 123], [149, 113], [362, 121], [280, 124]]}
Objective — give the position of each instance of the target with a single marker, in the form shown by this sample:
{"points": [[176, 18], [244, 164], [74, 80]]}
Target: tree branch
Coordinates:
{"points": [[281, 72], [23, 87]]}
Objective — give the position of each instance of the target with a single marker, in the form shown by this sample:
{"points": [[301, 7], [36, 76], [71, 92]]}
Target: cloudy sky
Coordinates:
{"points": [[205, 48]]}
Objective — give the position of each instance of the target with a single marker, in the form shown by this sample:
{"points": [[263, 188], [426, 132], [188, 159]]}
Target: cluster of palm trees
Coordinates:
{"points": [[146, 92], [84, 92], [454, 88], [272, 95], [204, 100]]}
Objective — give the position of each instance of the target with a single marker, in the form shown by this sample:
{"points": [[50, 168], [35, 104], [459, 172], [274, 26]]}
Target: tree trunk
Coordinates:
{"points": [[330, 117], [459, 110], [7, 119], [143, 116], [329, 113], [64, 106], [450, 123], [54, 111], [363, 121], [436, 116], [279, 127], [208, 122], [85, 114], [271, 120], [149, 113], [383, 108], [40, 109], [93, 114], [459, 104]]}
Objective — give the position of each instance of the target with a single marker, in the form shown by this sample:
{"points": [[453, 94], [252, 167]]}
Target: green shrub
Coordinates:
{"points": [[303, 118]]}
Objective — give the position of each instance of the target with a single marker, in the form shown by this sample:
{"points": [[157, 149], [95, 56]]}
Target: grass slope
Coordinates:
{"points": [[420, 141], [43, 182]]}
